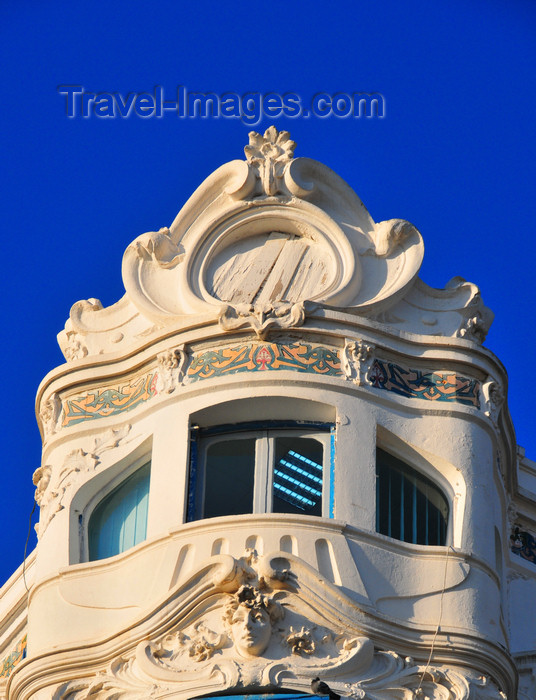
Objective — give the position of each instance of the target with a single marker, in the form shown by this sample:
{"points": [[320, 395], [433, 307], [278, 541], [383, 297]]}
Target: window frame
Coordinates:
{"points": [[437, 484], [121, 474], [265, 434], [119, 493], [284, 695]]}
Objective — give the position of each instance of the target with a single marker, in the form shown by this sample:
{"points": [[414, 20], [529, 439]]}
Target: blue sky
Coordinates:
{"points": [[454, 154]]}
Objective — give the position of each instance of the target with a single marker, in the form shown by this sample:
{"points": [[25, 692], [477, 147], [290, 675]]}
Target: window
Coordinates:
{"points": [[120, 519], [262, 696], [409, 506], [261, 468]]}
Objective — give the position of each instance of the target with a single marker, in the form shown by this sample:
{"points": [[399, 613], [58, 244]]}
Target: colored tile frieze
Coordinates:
{"points": [[524, 545], [99, 403], [431, 386], [255, 357], [13, 659], [261, 357]]}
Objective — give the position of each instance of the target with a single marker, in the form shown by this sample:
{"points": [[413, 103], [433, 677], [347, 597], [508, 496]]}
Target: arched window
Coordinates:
{"points": [[269, 467], [120, 519], [409, 506]]}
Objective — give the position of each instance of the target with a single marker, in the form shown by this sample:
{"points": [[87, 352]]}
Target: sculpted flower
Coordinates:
{"points": [[200, 651], [273, 145], [268, 154], [301, 641]]}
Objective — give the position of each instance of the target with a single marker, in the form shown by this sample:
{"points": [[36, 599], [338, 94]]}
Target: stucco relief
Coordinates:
{"points": [[266, 622], [251, 632], [50, 414], [74, 347], [157, 247], [267, 155], [92, 329], [474, 328], [455, 311], [270, 230], [406, 680], [397, 678], [245, 622], [171, 368], [266, 230], [55, 484], [262, 318], [356, 360], [493, 399], [118, 681], [389, 677]]}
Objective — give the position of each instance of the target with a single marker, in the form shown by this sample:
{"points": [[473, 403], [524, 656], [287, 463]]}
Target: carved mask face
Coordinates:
{"points": [[251, 629]]}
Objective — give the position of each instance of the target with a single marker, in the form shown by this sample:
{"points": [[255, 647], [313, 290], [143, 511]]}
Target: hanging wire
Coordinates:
{"points": [[417, 692]]}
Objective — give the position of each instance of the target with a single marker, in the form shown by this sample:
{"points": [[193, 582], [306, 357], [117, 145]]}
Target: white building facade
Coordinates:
{"points": [[279, 456]]}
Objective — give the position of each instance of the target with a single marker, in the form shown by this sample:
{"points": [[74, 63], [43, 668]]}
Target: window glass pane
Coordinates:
{"points": [[298, 476], [409, 506], [120, 520], [229, 477]]}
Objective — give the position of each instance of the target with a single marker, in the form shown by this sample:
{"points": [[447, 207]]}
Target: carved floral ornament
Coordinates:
{"points": [[55, 485], [254, 624]]}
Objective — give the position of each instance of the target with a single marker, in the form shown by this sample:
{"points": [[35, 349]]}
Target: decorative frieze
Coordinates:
{"points": [[8, 664], [356, 362], [422, 384], [261, 357], [110, 400]]}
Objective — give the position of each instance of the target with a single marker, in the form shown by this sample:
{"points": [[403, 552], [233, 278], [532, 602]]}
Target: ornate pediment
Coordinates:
{"points": [[263, 623], [267, 230], [272, 232]]}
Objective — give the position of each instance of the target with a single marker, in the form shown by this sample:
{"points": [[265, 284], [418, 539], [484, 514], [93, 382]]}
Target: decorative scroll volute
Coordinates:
{"points": [[268, 230], [265, 232]]}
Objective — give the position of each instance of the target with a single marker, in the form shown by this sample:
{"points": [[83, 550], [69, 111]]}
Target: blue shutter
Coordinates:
{"points": [[120, 520]]}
